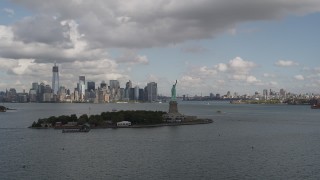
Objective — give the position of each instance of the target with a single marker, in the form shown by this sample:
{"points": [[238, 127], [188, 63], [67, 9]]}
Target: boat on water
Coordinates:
{"points": [[315, 106], [83, 128], [3, 109]]}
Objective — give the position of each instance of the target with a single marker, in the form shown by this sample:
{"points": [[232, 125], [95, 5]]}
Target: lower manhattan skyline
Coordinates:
{"points": [[208, 46]]}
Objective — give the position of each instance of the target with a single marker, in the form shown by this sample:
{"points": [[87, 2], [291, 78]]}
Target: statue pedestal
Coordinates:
{"points": [[173, 116], [173, 108]]}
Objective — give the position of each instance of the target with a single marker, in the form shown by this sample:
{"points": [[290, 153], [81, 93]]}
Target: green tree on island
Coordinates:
{"points": [[139, 117]]}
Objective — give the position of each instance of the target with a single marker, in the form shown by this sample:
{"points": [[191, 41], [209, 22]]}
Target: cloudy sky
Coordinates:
{"points": [[207, 45]]}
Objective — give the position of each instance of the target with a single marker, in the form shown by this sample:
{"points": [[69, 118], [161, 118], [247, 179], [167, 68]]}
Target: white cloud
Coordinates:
{"points": [[239, 70], [10, 12], [236, 69], [239, 77], [24, 67], [203, 72], [187, 81], [221, 67], [75, 48], [232, 31], [207, 71], [285, 63], [299, 77], [221, 81], [317, 69], [6, 36], [240, 66], [273, 83], [268, 75], [190, 80], [222, 75], [252, 79], [130, 57]]}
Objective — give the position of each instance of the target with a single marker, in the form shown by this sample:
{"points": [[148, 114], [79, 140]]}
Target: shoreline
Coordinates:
{"points": [[202, 121], [199, 121]]}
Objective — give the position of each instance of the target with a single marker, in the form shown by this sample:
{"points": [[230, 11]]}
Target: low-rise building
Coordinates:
{"points": [[123, 123]]}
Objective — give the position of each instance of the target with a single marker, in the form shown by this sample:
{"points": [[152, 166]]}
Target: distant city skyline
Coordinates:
{"points": [[83, 92], [240, 46], [82, 85]]}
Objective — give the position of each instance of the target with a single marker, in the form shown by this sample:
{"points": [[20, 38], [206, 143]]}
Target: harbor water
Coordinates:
{"points": [[243, 142]]}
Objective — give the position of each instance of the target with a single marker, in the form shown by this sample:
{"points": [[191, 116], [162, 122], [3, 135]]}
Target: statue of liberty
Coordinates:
{"points": [[173, 92]]}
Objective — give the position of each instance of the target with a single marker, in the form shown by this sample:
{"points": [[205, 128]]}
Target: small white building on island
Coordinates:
{"points": [[124, 123]]}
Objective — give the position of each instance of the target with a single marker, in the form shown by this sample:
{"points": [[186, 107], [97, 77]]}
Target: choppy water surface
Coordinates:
{"points": [[244, 142]]}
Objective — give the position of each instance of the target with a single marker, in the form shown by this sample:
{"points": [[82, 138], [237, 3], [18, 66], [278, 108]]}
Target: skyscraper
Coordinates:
{"points": [[114, 84], [35, 86], [152, 91], [91, 85], [136, 93], [127, 90], [55, 79], [82, 87], [103, 84], [265, 94], [115, 90]]}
